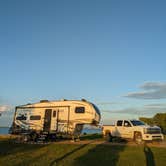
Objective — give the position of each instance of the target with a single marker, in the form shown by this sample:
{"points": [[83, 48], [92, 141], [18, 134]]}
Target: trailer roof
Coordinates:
{"points": [[54, 103]]}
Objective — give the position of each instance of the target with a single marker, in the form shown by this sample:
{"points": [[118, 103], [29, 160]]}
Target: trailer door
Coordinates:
{"points": [[47, 120], [63, 119]]}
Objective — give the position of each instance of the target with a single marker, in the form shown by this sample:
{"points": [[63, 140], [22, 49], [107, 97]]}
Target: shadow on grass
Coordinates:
{"points": [[58, 160], [91, 136], [149, 156], [82, 154], [101, 155], [93, 154], [8, 147]]}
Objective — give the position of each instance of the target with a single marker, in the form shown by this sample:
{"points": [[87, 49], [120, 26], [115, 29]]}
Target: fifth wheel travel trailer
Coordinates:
{"points": [[52, 119]]}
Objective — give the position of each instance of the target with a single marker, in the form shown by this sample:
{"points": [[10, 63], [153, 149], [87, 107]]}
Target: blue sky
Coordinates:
{"points": [[111, 52]]}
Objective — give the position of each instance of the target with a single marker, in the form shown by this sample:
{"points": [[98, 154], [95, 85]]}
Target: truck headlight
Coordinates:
{"points": [[145, 131]]}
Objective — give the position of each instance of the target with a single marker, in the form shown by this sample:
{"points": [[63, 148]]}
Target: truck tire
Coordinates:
{"points": [[108, 137], [138, 138]]}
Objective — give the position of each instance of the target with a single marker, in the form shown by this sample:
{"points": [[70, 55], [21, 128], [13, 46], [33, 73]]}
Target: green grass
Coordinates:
{"points": [[12, 154], [91, 137]]}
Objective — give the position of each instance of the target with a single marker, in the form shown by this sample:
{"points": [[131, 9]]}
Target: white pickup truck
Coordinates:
{"points": [[132, 129]]}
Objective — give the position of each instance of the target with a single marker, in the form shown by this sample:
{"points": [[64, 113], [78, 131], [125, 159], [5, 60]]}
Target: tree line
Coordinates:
{"points": [[159, 119]]}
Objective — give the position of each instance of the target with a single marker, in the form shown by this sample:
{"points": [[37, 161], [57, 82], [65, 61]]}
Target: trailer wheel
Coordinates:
{"points": [[108, 137], [138, 138], [25, 138], [33, 136]]}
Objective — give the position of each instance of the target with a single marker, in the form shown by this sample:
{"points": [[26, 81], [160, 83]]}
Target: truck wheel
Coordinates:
{"points": [[108, 137], [138, 138]]}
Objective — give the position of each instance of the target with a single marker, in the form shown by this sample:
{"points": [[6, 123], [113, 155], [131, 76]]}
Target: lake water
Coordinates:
{"points": [[5, 130]]}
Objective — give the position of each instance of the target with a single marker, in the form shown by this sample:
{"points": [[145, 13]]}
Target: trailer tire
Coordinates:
{"points": [[34, 136], [25, 138], [138, 138]]}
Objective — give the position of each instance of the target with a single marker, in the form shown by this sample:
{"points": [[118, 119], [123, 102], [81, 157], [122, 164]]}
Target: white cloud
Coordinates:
{"points": [[6, 115], [150, 90], [4, 108], [145, 110], [106, 103]]}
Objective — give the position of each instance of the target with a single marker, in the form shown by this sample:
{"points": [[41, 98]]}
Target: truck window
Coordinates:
{"points": [[80, 110], [127, 123], [119, 123], [137, 123], [35, 117]]}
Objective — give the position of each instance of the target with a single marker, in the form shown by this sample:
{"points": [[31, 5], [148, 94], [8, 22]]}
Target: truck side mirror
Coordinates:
{"points": [[127, 125]]}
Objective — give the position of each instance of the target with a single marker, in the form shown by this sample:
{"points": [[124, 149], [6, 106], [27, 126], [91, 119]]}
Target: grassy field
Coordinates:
{"points": [[12, 154]]}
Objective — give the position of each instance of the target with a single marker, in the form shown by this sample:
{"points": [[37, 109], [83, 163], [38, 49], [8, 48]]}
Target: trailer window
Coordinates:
{"points": [[119, 123], [96, 108], [21, 117], [80, 110], [35, 117], [54, 114]]}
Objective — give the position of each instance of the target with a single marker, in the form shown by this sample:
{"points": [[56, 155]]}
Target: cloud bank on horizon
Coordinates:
{"points": [[147, 110], [150, 90]]}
